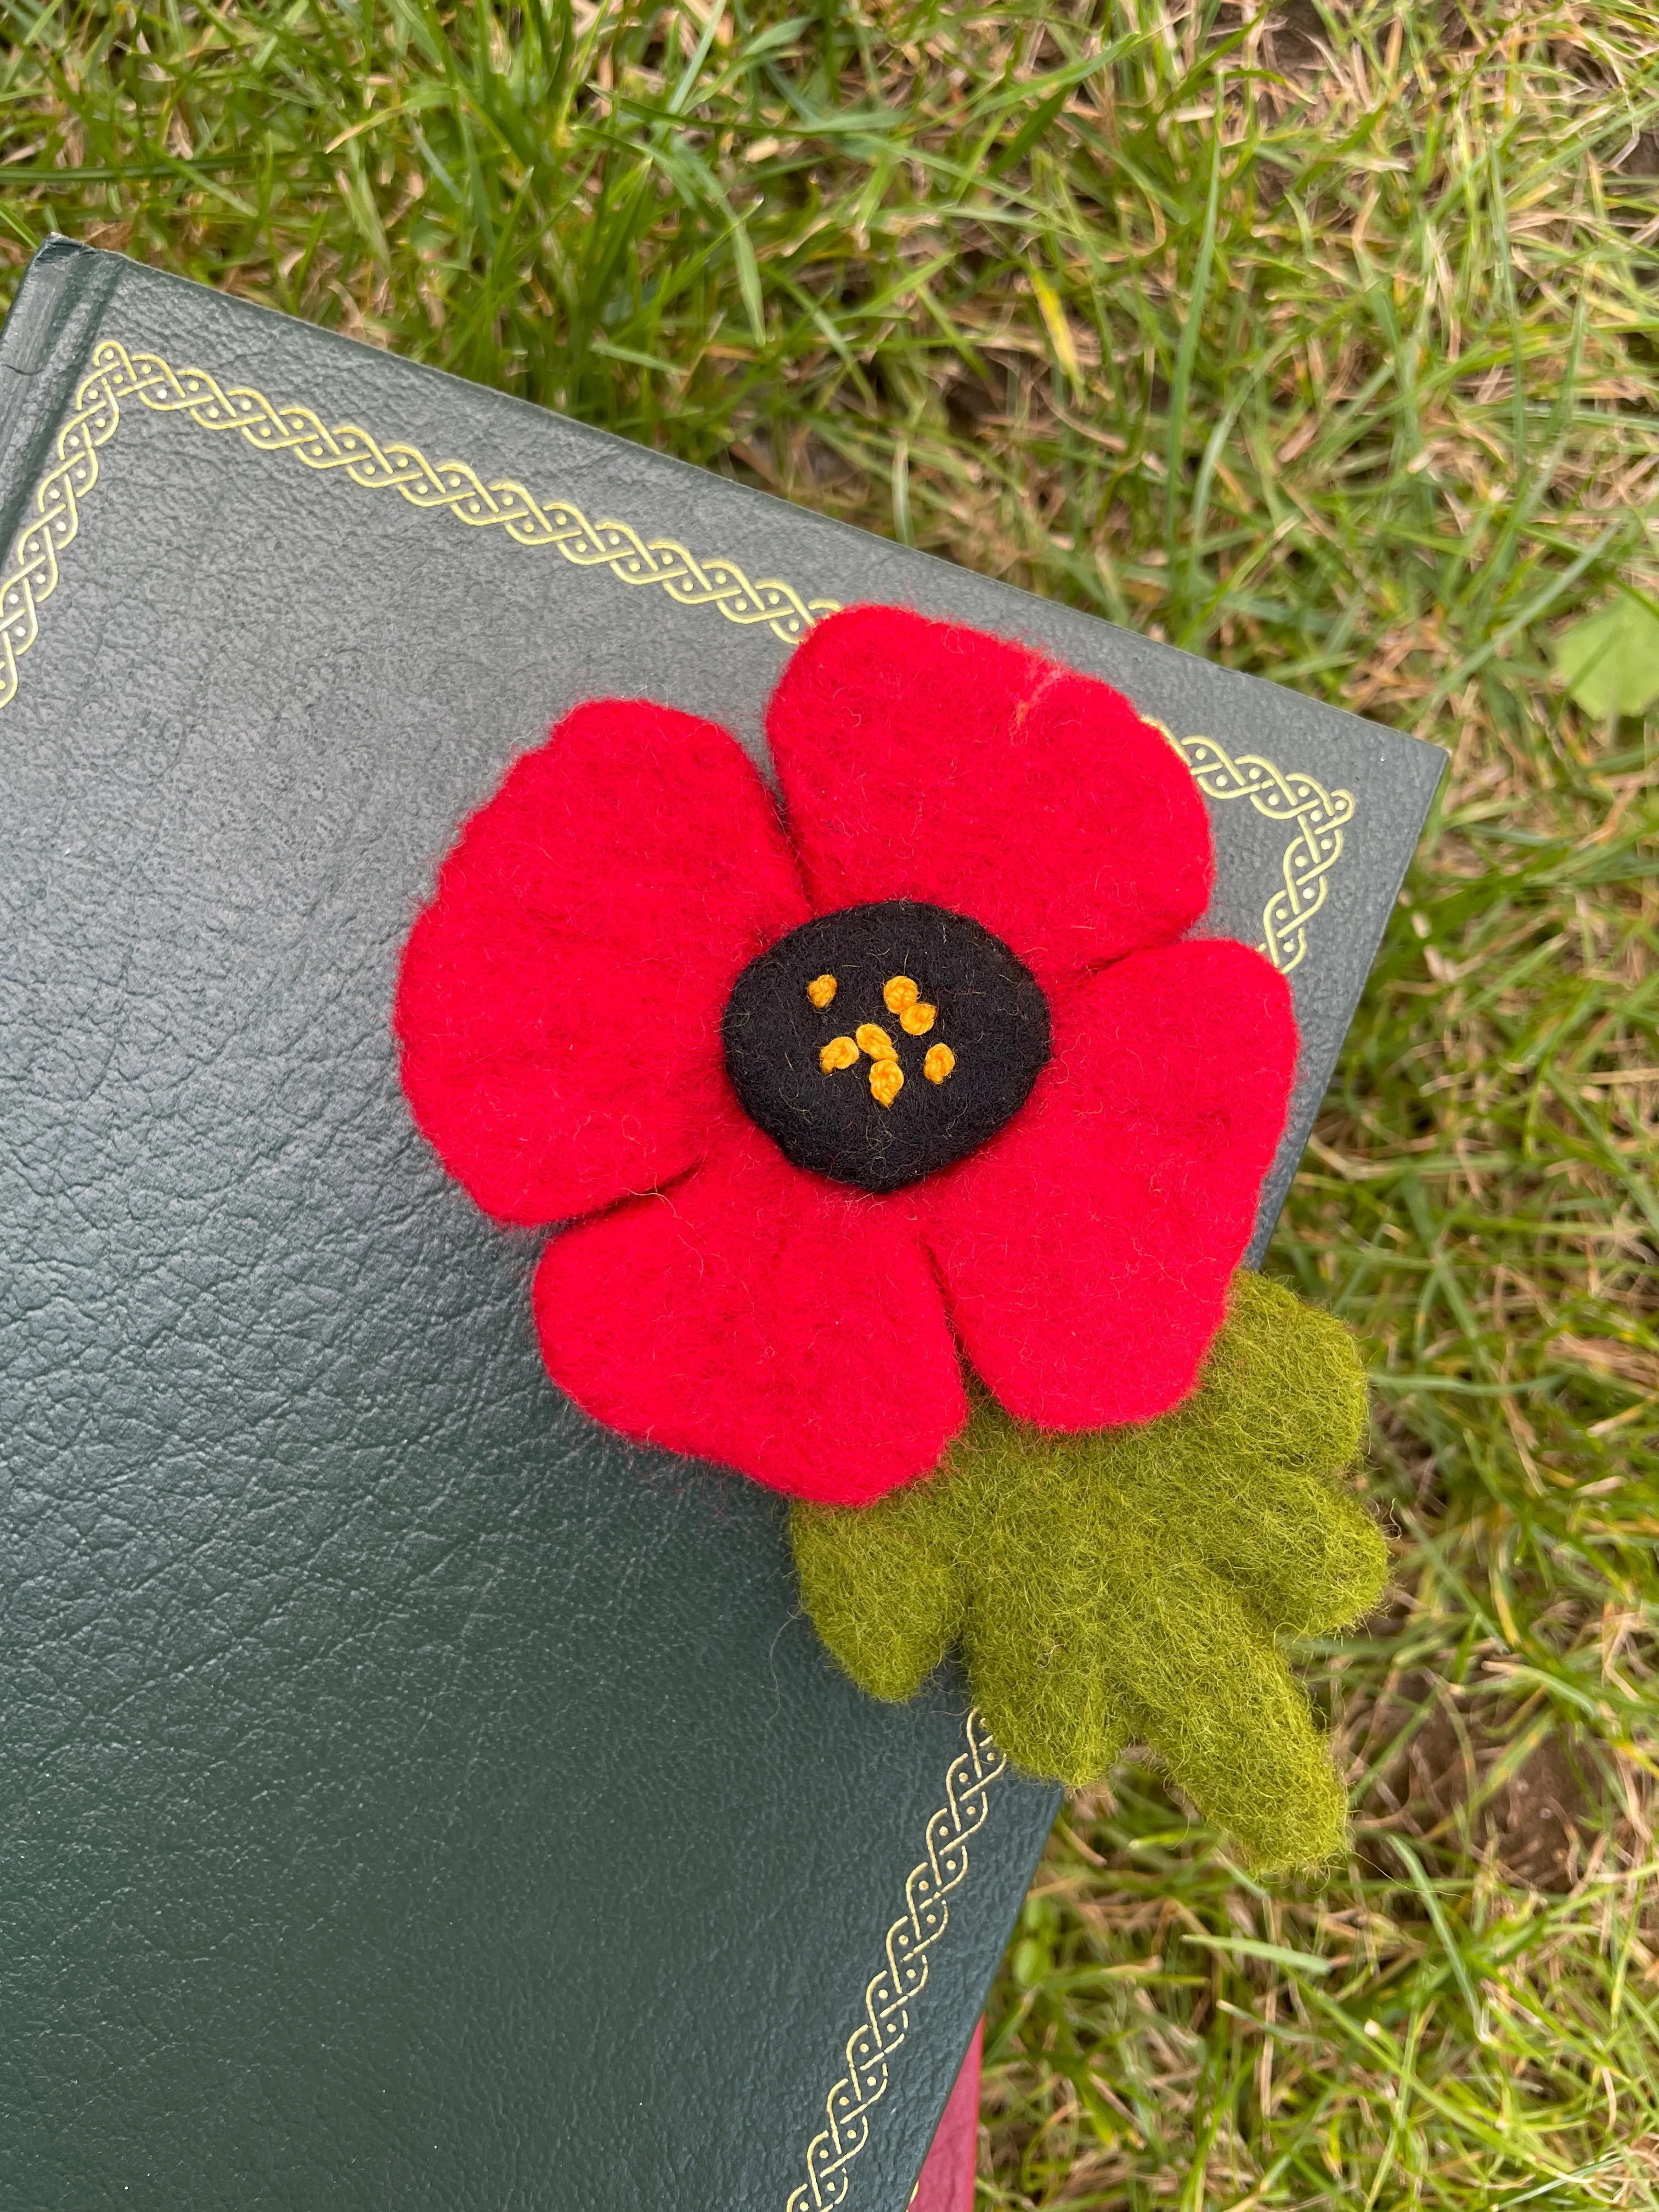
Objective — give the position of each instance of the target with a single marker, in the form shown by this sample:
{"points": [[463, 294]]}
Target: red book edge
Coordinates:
{"points": [[947, 2176]]}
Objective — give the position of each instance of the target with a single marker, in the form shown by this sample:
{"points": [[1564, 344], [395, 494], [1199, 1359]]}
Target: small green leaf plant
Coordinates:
{"points": [[1609, 663]]}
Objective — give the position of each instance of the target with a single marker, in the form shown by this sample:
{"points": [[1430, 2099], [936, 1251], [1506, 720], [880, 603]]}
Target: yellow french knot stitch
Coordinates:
{"points": [[821, 990], [886, 1076], [899, 993], [886, 1081]]}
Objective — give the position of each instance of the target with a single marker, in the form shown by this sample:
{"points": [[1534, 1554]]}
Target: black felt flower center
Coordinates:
{"points": [[883, 1042]]}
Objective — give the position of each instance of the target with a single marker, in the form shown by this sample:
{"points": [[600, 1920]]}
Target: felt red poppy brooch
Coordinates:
{"points": [[899, 1131]]}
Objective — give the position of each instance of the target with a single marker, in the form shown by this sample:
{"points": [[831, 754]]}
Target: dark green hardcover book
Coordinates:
{"points": [[413, 1796]]}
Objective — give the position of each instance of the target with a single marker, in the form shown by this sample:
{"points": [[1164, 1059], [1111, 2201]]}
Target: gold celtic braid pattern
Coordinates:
{"points": [[31, 576], [903, 1977], [1319, 816], [115, 375]]}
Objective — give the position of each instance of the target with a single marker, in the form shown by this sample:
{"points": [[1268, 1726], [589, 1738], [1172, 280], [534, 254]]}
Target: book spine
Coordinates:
{"points": [[45, 338]]}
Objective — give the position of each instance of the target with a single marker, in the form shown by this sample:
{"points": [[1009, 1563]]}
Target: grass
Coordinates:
{"points": [[1326, 344]]}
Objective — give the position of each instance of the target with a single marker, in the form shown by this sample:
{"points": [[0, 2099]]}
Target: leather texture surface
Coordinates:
{"points": [[413, 1796]]}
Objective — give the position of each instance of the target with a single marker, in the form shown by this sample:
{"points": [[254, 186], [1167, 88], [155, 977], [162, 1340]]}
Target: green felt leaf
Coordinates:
{"points": [[1135, 1584], [1610, 663]]}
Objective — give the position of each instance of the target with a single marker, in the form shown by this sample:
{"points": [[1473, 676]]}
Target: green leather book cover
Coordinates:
{"points": [[412, 1795]]}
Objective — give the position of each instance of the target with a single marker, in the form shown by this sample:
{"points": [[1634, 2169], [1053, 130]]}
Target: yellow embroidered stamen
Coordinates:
{"points": [[917, 1020], [938, 1063], [886, 1081], [875, 1042], [820, 991], [899, 991], [840, 1052]]}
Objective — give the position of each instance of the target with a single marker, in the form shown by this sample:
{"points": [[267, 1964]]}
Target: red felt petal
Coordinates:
{"points": [[1086, 1250], [755, 1315], [560, 1001], [921, 760]]}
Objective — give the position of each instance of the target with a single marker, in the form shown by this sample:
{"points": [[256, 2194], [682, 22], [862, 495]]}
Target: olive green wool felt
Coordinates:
{"points": [[1133, 1584]]}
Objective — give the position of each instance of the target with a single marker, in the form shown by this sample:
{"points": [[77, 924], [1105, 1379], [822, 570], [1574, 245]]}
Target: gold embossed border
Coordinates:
{"points": [[903, 1974], [1317, 816], [31, 576], [116, 375]]}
